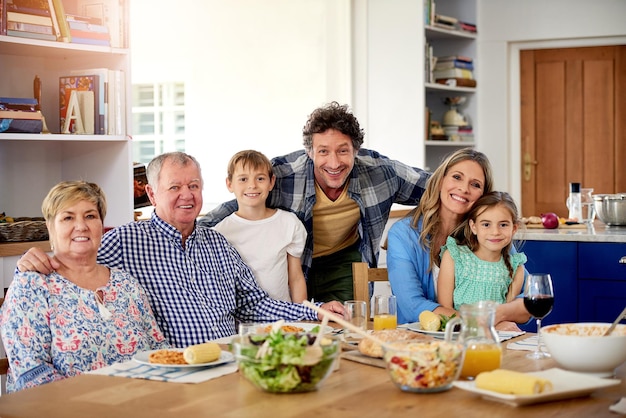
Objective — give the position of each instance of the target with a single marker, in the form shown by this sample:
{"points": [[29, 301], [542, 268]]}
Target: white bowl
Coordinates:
{"points": [[581, 347]]}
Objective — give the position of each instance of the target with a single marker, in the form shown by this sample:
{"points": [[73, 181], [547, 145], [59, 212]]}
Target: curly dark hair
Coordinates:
{"points": [[332, 116]]}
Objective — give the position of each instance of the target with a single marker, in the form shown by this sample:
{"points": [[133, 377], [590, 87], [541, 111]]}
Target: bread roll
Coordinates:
{"points": [[371, 349], [512, 383]]}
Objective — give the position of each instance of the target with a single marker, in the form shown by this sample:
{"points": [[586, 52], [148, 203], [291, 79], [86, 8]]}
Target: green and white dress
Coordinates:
{"points": [[476, 279]]}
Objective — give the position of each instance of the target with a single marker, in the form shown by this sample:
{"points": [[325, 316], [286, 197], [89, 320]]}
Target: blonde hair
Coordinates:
{"points": [[68, 192], [430, 203], [249, 158]]}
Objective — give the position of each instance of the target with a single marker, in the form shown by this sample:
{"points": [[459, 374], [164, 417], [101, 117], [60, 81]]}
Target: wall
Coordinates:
{"points": [[253, 71], [505, 27]]}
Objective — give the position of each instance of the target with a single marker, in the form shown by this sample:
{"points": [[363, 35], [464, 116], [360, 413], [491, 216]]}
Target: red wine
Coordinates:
{"points": [[539, 306]]}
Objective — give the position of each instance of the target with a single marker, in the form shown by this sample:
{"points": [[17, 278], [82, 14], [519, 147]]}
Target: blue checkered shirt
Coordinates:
{"points": [[376, 182], [196, 292]]}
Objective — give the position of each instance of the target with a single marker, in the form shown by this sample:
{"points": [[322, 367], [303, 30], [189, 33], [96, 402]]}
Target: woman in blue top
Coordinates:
{"points": [[476, 263], [413, 268]]}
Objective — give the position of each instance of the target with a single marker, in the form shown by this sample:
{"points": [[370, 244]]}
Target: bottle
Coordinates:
{"points": [[574, 203]]}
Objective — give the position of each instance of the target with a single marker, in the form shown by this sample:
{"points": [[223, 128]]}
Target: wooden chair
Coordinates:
{"points": [[362, 275]]}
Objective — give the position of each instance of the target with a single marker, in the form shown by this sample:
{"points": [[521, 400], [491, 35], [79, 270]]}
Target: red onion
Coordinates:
{"points": [[550, 220]]}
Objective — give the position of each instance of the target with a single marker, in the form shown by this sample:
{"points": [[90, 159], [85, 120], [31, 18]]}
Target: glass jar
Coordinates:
{"points": [[479, 337]]}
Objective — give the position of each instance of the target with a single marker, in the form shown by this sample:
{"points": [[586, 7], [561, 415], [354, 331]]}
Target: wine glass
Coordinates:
{"points": [[538, 300]]}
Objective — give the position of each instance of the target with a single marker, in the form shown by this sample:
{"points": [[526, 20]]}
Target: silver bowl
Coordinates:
{"points": [[611, 208]]}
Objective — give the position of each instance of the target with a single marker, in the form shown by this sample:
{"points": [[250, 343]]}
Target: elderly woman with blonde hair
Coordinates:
{"points": [[83, 316]]}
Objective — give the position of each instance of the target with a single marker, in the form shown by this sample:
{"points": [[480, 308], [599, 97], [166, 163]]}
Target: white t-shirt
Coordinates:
{"points": [[264, 245]]}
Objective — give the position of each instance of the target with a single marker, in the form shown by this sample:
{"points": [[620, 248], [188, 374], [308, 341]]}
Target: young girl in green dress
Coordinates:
{"points": [[476, 261]]}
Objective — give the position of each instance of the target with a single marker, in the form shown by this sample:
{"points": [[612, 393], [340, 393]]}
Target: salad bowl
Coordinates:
{"points": [[424, 366], [282, 362]]}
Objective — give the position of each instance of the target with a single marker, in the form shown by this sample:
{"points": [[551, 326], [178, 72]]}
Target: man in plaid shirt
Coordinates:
{"points": [[343, 195]]}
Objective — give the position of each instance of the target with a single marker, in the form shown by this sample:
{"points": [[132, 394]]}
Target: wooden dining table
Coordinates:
{"points": [[354, 390]]}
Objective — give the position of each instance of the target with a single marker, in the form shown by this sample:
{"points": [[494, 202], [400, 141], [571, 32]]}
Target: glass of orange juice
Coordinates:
{"points": [[385, 312], [480, 357]]}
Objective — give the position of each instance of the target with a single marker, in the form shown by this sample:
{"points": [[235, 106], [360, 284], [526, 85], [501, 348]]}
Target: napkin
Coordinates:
{"points": [[507, 335], [165, 374], [527, 344], [619, 407]]}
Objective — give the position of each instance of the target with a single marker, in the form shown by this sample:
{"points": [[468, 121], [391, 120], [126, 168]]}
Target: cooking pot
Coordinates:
{"points": [[611, 208]]}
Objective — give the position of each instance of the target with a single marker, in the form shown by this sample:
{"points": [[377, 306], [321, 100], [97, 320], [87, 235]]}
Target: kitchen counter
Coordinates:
{"points": [[598, 232]]}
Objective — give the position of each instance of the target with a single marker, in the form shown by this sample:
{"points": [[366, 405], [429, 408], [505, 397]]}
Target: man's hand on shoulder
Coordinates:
{"points": [[35, 259]]}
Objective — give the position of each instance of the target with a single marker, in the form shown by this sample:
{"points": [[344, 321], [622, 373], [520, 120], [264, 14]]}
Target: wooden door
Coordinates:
{"points": [[573, 117]]}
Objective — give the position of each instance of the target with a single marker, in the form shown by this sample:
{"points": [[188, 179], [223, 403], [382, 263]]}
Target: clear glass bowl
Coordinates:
{"points": [[425, 366], [283, 368]]}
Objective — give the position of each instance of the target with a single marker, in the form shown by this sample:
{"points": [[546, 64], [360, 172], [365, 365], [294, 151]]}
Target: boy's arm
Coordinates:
{"points": [[297, 284], [445, 281]]}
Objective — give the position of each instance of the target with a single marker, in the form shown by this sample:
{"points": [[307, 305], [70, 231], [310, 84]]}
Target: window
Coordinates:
{"points": [[158, 119]]}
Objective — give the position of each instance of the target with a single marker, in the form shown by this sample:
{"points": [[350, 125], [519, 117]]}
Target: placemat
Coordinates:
{"points": [[135, 370]]}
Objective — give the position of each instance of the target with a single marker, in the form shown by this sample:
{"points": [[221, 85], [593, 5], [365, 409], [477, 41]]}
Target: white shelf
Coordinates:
{"points": [[30, 164], [446, 42], [458, 144]]}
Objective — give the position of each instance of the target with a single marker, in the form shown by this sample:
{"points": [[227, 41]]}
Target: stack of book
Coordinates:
{"points": [[94, 22], [31, 19], [20, 115], [454, 70], [88, 30]]}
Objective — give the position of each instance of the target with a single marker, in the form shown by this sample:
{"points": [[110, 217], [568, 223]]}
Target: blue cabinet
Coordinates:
{"points": [[558, 259], [601, 281], [589, 282]]}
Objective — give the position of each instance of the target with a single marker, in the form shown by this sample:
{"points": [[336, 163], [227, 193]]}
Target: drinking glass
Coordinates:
{"points": [[355, 313], [385, 312], [538, 300]]}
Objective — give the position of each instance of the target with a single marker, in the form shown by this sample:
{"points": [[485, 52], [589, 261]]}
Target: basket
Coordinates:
{"points": [[24, 230]]}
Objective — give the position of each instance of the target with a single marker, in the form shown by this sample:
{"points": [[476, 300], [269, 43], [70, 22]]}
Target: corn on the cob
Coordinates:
{"points": [[430, 321], [511, 382], [202, 353]]}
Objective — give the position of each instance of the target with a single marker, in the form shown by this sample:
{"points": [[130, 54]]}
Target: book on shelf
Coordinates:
{"points": [[467, 27], [28, 18], [457, 82], [444, 65], [453, 73], [32, 7], [29, 126], [462, 58], [111, 101], [79, 98], [19, 114], [29, 27], [59, 12], [3, 17], [31, 35], [30, 101]]}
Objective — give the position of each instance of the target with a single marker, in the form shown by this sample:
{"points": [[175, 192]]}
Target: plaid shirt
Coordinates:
{"points": [[376, 182], [196, 292]]}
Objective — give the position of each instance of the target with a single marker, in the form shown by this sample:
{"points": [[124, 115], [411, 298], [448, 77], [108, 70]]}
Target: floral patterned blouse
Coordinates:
{"points": [[52, 329]]}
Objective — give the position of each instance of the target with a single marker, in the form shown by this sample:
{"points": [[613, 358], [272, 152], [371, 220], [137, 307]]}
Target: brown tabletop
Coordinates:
{"points": [[355, 390]]}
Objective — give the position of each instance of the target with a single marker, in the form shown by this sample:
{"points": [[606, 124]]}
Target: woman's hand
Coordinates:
{"points": [[507, 326]]}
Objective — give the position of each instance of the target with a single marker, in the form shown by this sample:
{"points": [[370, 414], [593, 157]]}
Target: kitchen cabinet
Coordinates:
{"points": [[589, 282], [558, 259], [445, 42]]}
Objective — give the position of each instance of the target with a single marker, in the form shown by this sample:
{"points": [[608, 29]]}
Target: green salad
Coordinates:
{"points": [[285, 362]]}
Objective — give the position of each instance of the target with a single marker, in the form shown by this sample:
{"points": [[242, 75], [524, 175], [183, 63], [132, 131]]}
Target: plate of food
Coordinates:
{"points": [[431, 324], [555, 384], [174, 358], [258, 328]]}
